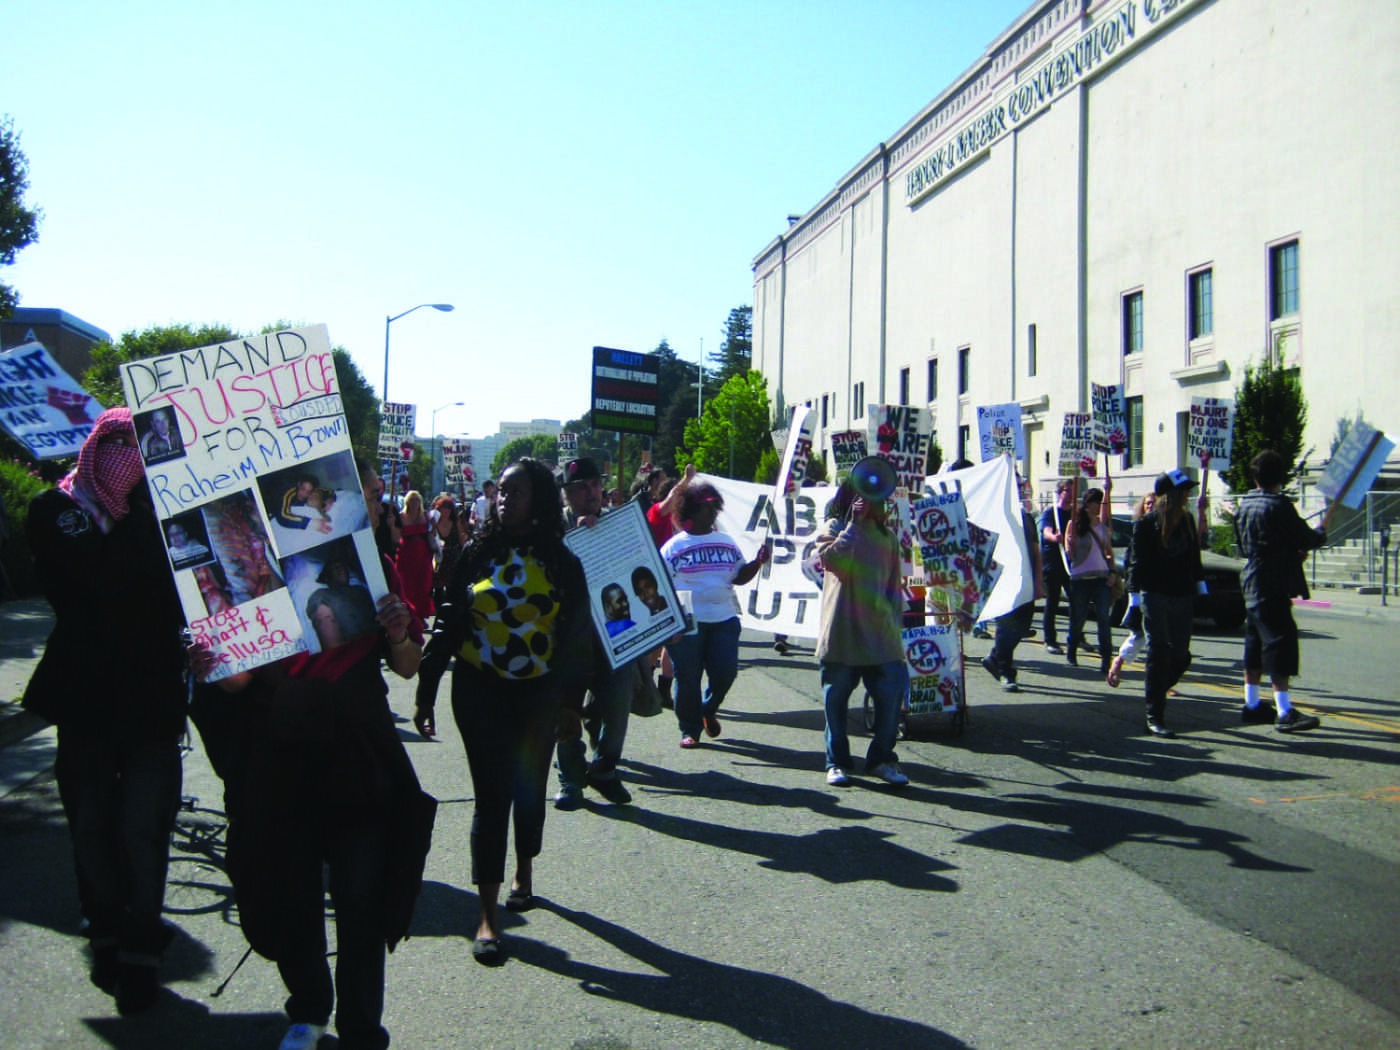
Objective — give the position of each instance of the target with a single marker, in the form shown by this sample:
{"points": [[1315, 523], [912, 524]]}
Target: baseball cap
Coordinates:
{"points": [[581, 470], [1172, 480]]}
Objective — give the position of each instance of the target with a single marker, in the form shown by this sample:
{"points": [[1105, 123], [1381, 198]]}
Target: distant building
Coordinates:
{"points": [[1155, 193], [70, 339]]}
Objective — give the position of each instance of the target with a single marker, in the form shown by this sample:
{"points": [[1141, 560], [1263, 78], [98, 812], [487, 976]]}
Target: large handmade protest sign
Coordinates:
{"points": [[1110, 418], [785, 596], [40, 404], [630, 592], [258, 496], [1000, 430], [847, 449], [1077, 454], [457, 463], [900, 434], [934, 657], [1210, 432], [396, 430], [1354, 466]]}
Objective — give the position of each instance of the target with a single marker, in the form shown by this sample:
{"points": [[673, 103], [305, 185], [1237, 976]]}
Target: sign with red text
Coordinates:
{"points": [[1077, 455], [249, 465], [397, 421], [934, 655], [1210, 431], [41, 405]]}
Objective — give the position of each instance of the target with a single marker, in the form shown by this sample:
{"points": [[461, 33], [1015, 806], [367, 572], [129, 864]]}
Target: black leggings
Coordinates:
{"points": [[508, 730]]}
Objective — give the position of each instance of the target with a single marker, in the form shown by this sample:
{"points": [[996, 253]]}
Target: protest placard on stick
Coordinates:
{"points": [[1354, 466], [1210, 432], [934, 657], [41, 405], [258, 470], [1077, 455], [847, 449], [1000, 430], [1110, 419], [900, 434]]}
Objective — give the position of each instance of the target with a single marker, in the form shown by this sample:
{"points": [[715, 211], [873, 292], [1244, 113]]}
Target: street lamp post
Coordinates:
{"points": [[444, 307], [439, 483]]}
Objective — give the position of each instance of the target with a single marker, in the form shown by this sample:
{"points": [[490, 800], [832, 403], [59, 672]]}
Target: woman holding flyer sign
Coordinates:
{"points": [[1089, 544]]}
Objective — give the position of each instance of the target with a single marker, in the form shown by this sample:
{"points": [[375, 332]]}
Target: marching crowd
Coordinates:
{"points": [[315, 774]]}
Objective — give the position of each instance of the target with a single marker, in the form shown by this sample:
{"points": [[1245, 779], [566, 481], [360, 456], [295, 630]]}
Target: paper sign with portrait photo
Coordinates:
{"points": [[258, 497], [630, 594], [41, 405]]}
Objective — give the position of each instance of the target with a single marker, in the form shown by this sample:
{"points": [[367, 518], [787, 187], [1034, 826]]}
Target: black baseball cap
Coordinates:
{"points": [[581, 470]]}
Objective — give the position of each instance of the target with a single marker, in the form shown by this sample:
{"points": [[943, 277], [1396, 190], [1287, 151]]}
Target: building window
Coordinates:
{"points": [[904, 386], [964, 367], [1133, 457], [858, 400], [1132, 323], [1199, 306], [964, 435], [933, 379], [1283, 280], [1030, 350], [825, 408]]}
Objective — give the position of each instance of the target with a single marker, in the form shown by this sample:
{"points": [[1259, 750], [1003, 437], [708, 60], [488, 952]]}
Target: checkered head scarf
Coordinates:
{"points": [[107, 472]]}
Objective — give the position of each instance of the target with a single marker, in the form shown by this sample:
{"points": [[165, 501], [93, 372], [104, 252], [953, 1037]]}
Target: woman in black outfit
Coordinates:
{"points": [[518, 625]]}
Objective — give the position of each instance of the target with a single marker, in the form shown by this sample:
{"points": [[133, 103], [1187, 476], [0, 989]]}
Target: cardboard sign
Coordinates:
{"points": [[258, 496], [630, 593], [457, 462], [934, 656], [41, 405], [1077, 454], [999, 430], [900, 434], [568, 446], [1354, 466], [1110, 419], [1210, 432], [625, 391], [847, 449], [396, 429]]}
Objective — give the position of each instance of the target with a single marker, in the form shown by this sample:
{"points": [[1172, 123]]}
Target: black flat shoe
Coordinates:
{"points": [[519, 900], [488, 951]]}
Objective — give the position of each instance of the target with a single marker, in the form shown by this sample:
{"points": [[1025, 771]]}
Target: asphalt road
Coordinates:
{"points": [[1052, 878]]}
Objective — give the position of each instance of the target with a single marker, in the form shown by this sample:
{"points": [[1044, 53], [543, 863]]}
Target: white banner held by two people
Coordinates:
{"points": [[258, 496]]}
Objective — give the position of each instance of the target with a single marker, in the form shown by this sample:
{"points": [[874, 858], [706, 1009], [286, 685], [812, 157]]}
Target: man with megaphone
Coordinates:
{"points": [[861, 610]]}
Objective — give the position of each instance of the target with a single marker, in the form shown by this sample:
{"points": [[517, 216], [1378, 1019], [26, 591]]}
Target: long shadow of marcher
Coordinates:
{"points": [[763, 1007]]}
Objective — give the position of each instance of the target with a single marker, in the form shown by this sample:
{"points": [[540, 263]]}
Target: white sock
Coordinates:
{"points": [[1251, 695], [1281, 701]]}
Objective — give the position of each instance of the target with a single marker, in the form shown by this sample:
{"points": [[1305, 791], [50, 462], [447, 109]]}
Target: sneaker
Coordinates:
{"points": [[990, 667], [302, 1037], [836, 777], [568, 799], [712, 726], [1010, 686], [1156, 728], [891, 774], [1054, 650], [612, 789], [689, 741], [1296, 722], [1259, 715], [780, 647]]}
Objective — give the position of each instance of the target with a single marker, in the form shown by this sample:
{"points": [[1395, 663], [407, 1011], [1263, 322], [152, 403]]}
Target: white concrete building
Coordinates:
{"points": [[1151, 192]]}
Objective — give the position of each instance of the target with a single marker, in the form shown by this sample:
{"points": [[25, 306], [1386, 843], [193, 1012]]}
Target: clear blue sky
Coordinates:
{"points": [[565, 174]]}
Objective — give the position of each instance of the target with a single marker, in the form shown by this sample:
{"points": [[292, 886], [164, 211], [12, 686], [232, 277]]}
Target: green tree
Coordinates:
{"points": [[538, 446], [360, 402], [735, 354], [1270, 413], [19, 226], [732, 435]]}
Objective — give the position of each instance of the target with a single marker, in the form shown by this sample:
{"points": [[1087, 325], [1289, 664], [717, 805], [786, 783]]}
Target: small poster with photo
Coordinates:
{"points": [[934, 657], [250, 470], [630, 595], [330, 590]]}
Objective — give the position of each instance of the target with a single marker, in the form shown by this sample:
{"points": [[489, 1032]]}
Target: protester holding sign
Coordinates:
{"points": [[861, 613], [315, 774], [1054, 564], [1273, 538], [518, 626], [111, 679], [1089, 545], [707, 564]]}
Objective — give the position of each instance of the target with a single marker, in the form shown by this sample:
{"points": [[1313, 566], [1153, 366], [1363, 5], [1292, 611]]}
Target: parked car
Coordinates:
{"points": [[1223, 602]]}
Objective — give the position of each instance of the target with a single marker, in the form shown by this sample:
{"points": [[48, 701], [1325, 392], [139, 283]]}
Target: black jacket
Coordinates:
{"points": [[1273, 538], [1170, 566]]}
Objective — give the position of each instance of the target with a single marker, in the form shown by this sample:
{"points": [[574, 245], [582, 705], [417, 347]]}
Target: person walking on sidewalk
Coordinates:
{"points": [[1273, 538], [1054, 567], [112, 680], [1089, 544], [1011, 627], [859, 635]]}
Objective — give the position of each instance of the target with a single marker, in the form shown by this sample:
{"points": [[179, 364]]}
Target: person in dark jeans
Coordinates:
{"points": [[1013, 626], [1054, 572]]}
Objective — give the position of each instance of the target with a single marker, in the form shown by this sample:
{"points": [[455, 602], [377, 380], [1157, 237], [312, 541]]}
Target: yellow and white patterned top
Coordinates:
{"points": [[512, 618]]}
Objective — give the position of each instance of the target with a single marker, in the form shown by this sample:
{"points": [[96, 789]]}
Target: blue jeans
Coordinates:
{"points": [[712, 651], [886, 684], [605, 718], [1166, 620], [1085, 591]]}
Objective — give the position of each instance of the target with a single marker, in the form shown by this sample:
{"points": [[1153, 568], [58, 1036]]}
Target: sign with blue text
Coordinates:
{"points": [[626, 391], [249, 465], [999, 429], [41, 405]]}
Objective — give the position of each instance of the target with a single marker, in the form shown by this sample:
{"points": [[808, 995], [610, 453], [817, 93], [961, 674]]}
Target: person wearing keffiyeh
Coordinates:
{"points": [[111, 680]]}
